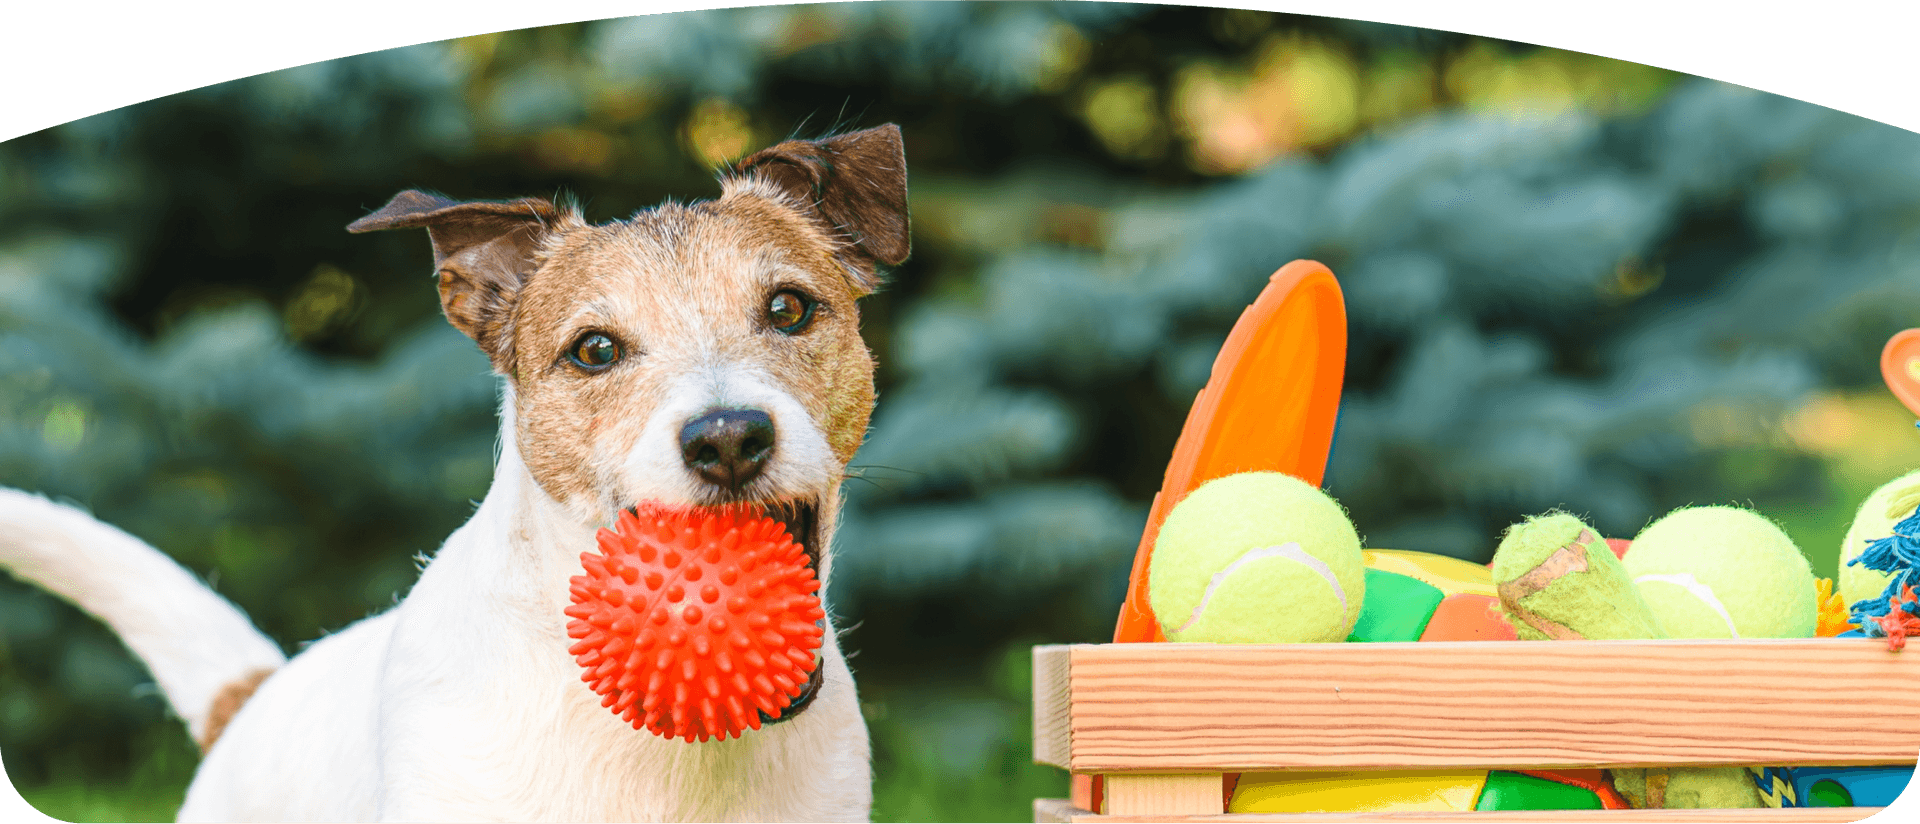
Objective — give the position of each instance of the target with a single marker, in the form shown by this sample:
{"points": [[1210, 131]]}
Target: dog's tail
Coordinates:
{"points": [[206, 655]]}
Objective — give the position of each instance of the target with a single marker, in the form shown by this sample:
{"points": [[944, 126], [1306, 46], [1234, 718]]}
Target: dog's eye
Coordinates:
{"points": [[789, 312], [594, 351]]}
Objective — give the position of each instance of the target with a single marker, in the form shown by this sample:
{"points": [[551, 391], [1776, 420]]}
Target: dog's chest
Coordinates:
{"points": [[587, 765], [528, 740]]}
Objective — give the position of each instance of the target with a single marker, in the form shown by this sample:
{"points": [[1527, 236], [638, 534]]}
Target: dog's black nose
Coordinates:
{"points": [[727, 447]]}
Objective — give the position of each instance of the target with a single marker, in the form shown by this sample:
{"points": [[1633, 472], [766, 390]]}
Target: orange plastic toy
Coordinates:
{"points": [[1269, 405], [1900, 366]]}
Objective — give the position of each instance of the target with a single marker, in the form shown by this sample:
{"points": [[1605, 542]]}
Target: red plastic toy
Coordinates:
{"points": [[692, 622]]}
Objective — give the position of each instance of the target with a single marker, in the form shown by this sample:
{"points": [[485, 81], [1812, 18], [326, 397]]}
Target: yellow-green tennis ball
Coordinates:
{"points": [[1888, 505], [1256, 558], [1558, 580], [1723, 572], [1691, 788]]}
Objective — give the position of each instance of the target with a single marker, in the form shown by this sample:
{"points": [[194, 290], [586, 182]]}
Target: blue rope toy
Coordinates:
{"points": [[1897, 555]]}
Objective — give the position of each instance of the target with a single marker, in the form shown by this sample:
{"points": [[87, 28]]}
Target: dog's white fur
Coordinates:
{"points": [[462, 703]]}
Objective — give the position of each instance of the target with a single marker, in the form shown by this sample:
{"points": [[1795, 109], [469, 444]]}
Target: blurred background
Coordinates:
{"points": [[1572, 282]]}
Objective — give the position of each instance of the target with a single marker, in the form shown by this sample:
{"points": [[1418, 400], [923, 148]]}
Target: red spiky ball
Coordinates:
{"points": [[693, 621]]}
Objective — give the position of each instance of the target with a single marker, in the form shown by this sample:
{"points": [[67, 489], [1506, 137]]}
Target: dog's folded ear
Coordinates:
{"points": [[855, 184], [483, 251]]}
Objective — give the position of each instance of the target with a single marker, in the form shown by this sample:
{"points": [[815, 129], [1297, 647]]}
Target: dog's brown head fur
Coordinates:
{"points": [[614, 337]]}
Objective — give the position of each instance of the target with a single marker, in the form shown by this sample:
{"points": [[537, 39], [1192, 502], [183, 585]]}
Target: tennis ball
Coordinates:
{"points": [[1723, 572], [1688, 788], [1888, 505], [1559, 580], [1256, 558]]}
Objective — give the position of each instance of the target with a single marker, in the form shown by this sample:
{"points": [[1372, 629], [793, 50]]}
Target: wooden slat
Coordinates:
{"points": [[1052, 737], [1243, 708], [1056, 811], [1155, 794], [1062, 811]]}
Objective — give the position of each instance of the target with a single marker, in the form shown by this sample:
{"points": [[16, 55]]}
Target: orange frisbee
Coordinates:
{"points": [[1270, 405]]}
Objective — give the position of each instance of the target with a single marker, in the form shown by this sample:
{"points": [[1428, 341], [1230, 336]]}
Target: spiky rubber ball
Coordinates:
{"points": [[691, 622]]}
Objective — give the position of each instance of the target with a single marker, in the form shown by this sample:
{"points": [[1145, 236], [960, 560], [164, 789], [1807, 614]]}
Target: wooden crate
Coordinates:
{"points": [[1161, 723]]}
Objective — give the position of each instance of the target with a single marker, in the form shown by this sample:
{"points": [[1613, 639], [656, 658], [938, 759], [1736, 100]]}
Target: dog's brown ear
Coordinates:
{"points": [[483, 251], [855, 183]]}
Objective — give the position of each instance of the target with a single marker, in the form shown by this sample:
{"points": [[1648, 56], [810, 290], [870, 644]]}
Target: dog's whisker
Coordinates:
{"points": [[864, 467]]}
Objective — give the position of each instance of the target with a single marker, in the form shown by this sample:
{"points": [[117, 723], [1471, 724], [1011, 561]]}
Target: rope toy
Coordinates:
{"points": [[1895, 614]]}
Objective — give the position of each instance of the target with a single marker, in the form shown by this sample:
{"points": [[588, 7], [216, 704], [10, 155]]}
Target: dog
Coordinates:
{"points": [[702, 354]]}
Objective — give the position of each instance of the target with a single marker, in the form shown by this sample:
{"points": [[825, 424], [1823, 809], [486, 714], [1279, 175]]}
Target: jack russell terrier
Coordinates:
{"points": [[704, 354]]}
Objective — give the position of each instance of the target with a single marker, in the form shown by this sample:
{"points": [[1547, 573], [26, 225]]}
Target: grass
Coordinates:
{"points": [[83, 800], [150, 791], [947, 752]]}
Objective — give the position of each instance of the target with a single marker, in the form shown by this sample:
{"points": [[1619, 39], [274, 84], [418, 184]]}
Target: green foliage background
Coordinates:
{"points": [[1572, 282]]}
